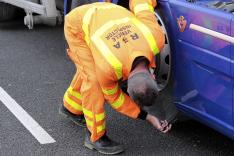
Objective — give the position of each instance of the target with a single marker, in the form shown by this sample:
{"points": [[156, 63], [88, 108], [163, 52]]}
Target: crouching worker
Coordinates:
{"points": [[109, 44]]}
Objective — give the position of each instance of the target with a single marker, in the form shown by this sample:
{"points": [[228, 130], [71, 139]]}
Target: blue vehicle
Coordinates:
{"points": [[201, 40], [198, 59]]}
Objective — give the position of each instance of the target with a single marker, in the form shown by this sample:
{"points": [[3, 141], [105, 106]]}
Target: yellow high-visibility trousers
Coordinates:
{"points": [[84, 96]]}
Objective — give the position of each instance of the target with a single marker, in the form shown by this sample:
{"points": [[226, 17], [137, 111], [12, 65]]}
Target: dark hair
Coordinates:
{"points": [[142, 89]]}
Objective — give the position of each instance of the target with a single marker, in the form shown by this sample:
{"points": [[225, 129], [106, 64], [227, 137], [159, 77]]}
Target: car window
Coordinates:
{"points": [[226, 6]]}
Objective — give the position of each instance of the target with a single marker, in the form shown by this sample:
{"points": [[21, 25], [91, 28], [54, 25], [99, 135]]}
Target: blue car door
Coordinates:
{"points": [[203, 82], [232, 56]]}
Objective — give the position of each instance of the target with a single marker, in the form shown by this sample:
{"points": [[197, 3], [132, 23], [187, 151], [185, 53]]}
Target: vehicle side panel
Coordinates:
{"points": [[203, 81]]}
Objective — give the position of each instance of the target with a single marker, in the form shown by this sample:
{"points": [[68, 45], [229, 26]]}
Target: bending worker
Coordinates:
{"points": [[109, 44]]}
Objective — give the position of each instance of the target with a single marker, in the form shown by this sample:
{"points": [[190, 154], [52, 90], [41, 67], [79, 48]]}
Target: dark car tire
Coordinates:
{"points": [[171, 113], [163, 71], [164, 108], [7, 11]]}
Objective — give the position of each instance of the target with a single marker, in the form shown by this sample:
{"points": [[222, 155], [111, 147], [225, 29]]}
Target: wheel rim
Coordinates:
{"points": [[163, 69]]}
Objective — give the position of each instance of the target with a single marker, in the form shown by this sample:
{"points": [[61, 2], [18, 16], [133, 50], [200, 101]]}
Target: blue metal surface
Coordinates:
{"points": [[202, 66], [115, 1], [232, 64], [65, 7]]}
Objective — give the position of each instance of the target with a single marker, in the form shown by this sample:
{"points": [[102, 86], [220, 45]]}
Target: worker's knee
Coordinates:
{"points": [[90, 87], [91, 80]]}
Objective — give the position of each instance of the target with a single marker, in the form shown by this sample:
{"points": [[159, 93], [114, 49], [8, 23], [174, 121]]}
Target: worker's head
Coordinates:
{"points": [[142, 87]]}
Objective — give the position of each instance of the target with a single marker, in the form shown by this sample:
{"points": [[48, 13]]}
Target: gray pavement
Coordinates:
{"points": [[35, 71]]}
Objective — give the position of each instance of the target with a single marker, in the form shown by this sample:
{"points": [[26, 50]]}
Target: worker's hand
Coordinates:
{"points": [[162, 125]]}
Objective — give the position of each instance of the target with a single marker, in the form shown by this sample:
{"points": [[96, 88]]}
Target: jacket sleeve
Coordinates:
{"points": [[144, 12], [118, 100], [137, 3]]}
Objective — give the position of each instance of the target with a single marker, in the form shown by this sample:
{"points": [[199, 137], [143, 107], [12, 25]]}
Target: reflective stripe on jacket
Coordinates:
{"points": [[115, 37]]}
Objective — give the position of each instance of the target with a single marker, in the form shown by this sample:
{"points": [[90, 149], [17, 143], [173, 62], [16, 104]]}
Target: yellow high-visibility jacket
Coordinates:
{"points": [[114, 36]]}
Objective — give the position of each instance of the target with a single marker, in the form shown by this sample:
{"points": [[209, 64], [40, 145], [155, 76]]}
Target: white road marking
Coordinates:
{"points": [[33, 127]]}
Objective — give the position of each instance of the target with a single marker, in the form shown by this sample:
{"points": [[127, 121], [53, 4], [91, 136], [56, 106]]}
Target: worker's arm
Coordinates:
{"points": [[118, 100], [144, 12], [134, 3], [125, 105]]}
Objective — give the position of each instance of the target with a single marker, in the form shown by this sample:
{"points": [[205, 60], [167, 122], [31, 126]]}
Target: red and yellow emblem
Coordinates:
{"points": [[181, 22]]}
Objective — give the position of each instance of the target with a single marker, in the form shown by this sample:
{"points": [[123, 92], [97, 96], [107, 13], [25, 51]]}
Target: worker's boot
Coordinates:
{"points": [[77, 119], [104, 145]]}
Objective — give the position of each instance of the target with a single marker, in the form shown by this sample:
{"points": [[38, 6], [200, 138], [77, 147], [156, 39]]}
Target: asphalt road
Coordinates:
{"points": [[35, 71]]}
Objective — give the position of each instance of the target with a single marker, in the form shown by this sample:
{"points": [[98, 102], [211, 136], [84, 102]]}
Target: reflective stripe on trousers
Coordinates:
{"points": [[98, 120], [72, 100], [72, 97]]}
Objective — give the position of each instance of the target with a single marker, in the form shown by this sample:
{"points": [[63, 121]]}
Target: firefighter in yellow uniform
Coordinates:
{"points": [[109, 44]]}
